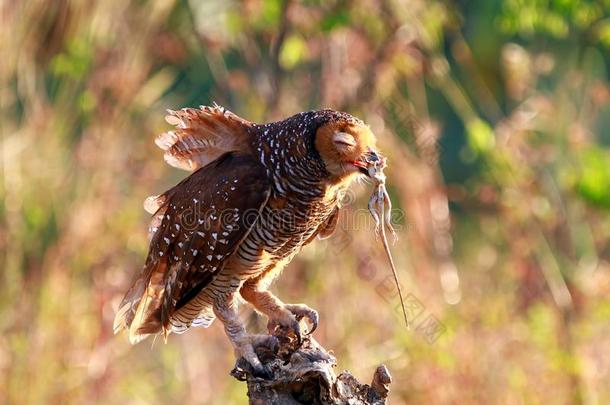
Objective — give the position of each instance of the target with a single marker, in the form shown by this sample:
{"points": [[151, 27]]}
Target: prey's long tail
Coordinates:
{"points": [[380, 207], [385, 220]]}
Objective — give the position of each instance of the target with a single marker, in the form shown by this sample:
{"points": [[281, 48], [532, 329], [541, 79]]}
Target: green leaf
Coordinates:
{"points": [[603, 32], [480, 135], [335, 20], [293, 52], [593, 183]]}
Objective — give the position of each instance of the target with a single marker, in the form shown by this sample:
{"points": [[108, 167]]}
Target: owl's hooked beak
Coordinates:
{"points": [[368, 160]]}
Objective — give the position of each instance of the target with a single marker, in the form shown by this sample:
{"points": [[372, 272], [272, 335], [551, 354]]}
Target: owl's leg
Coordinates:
{"points": [[278, 313], [225, 309]]}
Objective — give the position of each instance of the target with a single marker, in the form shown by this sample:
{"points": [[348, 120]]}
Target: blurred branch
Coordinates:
{"points": [[276, 48], [367, 88], [462, 53]]}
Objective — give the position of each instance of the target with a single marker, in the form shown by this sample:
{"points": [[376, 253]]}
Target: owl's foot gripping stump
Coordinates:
{"points": [[306, 375]]}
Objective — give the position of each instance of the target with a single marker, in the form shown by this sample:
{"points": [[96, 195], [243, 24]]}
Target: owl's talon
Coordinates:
{"points": [[301, 311], [245, 347], [291, 324], [263, 372]]}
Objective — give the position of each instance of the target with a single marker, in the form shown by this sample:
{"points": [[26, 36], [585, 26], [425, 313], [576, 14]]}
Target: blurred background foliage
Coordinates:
{"points": [[494, 115]]}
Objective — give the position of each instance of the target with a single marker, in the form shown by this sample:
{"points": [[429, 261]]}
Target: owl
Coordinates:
{"points": [[257, 194]]}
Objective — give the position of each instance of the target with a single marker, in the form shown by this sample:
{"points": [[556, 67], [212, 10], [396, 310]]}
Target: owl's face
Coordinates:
{"points": [[346, 148]]}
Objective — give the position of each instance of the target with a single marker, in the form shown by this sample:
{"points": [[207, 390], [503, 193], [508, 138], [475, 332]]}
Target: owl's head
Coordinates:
{"points": [[346, 147]]}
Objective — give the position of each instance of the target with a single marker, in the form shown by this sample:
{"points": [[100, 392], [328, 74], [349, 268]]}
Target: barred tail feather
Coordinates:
{"points": [[140, 310]]}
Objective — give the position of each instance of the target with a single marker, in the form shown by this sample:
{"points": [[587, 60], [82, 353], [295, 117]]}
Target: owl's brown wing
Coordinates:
{"points": [[202, 135], [199, 224]]}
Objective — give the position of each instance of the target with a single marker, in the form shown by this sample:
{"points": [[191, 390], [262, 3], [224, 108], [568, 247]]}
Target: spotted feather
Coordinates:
{"points": [[200, 227]]}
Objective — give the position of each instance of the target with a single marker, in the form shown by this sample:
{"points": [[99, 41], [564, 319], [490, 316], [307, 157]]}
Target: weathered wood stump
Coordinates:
{"points": [[305, 375]]}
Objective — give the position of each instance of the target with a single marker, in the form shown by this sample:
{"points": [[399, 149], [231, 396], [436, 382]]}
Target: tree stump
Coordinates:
{"points": [[305, 375]]}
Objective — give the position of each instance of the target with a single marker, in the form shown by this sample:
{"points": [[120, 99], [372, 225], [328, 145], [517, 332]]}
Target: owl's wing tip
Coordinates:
{"points": [[180, 162], [154, 202], [116, 329], [120, 319], [172, 119], [136, 335], [141, 332], [136, 338], [202, 135]]}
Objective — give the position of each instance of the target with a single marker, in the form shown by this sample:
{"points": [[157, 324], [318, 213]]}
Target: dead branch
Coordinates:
{"points": [[306, 375]]}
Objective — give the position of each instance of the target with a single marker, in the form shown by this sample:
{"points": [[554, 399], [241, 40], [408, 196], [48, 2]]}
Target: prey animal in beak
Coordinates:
{"points": [[371, 163], [380, 207]]}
